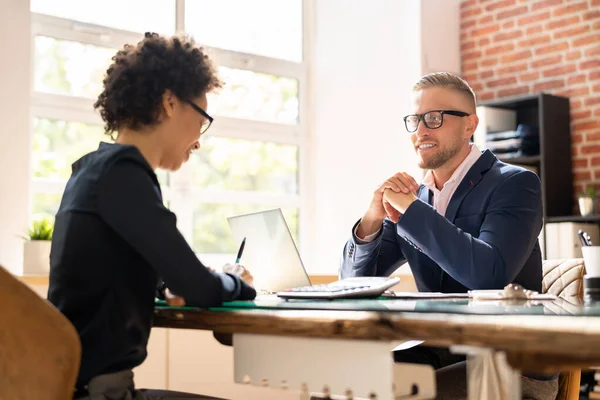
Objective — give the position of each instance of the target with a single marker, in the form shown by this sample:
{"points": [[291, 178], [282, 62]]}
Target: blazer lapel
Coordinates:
{"points": [[483, 164], [424, 194]]}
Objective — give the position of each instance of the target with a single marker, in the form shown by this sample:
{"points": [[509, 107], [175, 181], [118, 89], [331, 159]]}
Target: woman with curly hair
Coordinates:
{"points": [[114, 241]]}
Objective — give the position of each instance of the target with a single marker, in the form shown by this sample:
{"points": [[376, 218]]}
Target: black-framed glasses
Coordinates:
{"points": [[207, 122], [432, 119]]}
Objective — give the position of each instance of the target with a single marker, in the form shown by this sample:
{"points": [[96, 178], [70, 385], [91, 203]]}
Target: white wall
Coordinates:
{"points": [[15, 135], [367, 56]]}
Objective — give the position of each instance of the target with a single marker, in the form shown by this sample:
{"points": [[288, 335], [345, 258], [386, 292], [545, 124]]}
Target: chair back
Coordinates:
{"points": [[564, 278], [39, 348]]}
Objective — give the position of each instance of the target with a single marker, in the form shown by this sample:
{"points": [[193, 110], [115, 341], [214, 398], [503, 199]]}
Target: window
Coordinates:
{"points": [[250, 159]]}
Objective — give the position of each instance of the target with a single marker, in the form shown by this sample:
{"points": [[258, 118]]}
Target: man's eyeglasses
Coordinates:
{"points": [[432, 119], [208, 119]]}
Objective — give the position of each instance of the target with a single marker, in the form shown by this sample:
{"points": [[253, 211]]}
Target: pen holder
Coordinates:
{"points": [[591, 259]]}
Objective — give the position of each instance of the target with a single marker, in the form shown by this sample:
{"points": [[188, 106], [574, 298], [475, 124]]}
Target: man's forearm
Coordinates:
{"points": [[368, 226]]}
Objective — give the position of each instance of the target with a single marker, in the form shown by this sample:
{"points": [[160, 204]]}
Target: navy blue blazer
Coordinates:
{"points": [[487, 239]]}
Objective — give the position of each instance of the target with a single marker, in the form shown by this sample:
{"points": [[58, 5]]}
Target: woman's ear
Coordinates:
{"points": [[168, 103]]}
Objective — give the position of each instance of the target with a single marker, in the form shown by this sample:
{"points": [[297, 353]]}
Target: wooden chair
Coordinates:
{"points": [[564, 278], [39, 348]]}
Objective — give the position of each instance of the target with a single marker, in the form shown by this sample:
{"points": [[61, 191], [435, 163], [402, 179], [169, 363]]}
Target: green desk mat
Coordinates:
{"points": [[391, 304]]}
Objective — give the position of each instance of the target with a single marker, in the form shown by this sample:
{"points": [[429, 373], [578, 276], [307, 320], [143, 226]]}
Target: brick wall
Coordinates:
{"points": [[515, 47]]}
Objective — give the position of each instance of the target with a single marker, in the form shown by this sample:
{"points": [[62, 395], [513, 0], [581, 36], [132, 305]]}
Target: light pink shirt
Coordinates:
{"points": [[441, 198]]}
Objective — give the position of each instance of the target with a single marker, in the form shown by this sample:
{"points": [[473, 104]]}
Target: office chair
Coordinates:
{"points": [[39, 348], [564, 278]]}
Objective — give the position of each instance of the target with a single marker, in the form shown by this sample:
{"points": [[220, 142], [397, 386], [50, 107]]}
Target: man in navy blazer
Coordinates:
{"points": [[473, 223]]}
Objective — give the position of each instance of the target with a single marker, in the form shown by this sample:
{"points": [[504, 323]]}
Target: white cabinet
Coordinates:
{"points": [[562, 241]]}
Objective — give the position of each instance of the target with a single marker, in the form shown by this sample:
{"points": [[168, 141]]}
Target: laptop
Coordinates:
{"points": [[273, 259]]}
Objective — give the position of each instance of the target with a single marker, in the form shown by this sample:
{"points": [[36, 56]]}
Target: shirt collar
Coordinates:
{"points": [[459, 173]]}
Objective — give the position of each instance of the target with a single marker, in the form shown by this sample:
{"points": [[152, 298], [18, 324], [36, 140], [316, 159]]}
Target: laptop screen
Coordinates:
{"points": [[270, 253]]}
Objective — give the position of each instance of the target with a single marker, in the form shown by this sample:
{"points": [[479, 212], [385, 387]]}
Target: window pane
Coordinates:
{"points": [[70, 68], [256, 96], [235, 164], [58, 144], [45, 205], [211, 230], [130, 15], [270, 28]]}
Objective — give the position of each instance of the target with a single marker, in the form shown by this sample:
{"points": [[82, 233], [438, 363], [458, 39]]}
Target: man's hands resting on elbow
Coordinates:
{"points": [[400, 190]]}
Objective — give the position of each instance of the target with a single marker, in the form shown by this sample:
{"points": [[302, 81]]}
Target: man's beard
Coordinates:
{"points": [[441, 157]]}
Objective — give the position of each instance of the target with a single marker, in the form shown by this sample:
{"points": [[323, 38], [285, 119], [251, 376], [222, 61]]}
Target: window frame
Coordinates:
{"points": [[180, 194]]}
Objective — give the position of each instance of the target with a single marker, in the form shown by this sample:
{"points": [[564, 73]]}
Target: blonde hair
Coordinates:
{"points": [[448, 81]]}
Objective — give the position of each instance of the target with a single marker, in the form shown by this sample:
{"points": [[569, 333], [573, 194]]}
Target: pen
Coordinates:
{"points": [[582, 238], [240, 251]]}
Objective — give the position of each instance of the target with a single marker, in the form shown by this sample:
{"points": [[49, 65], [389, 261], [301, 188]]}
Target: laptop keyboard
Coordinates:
{"points": [[345, 288]]}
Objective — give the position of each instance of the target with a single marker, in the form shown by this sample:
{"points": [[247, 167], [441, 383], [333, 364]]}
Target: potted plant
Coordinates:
{"points": [[36, 250], [587, 201]]}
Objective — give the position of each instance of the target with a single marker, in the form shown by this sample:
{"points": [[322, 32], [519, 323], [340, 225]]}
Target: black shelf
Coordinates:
{"points": [[523, 160], [551, 114], [574, 218]]}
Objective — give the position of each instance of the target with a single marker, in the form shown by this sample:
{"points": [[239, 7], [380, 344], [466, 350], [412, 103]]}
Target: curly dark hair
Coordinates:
{"points": [[139, 75]]}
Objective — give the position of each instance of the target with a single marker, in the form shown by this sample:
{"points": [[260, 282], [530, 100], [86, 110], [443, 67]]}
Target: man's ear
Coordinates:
{"points": [[472, 122], [168, 103]]}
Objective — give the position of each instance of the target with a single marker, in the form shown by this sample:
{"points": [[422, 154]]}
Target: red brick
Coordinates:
{"points": [[574, 92], [534, 18], [562, 23], [485, 96], [467, 3], [552, 48], [468, 24], [581, 114], [590, 101], [596, 26], [543, 86], [488, 30], [562, 70], [546, 61], [574, 151], [489, 62], [545, 3], [463, 35], [470, 77], [508, 24], [508, 36], [530, 76], [502, 82], [471, 55], [573, 55], [589, 64], [503, 48], [535, 41], [467, 46], [597, 113], [582, 175], [572, 32], [596, 88], [581, 163], [591, 15], [576, 104], [594, 75], [500, 4], [576, 79], [512, 13], [486, 74], [469, 66], [477, 86], [577, 138], [521, 55], [590, 149], [591, 137], [484, 41], [592, 51], [586, 126], [513, 91], [472, 12], [485, 19], [590, 39], [512, 69], [595, 2], [532, 30], [595, 161], [570, 9], [597, 174]]}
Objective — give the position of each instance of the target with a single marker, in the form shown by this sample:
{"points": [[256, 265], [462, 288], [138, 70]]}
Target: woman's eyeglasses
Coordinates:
{"points": [[208, 119], [432, 119]]}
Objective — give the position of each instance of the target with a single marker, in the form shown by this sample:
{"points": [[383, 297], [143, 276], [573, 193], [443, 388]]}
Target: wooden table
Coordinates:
{"points": [[534, 343]]}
